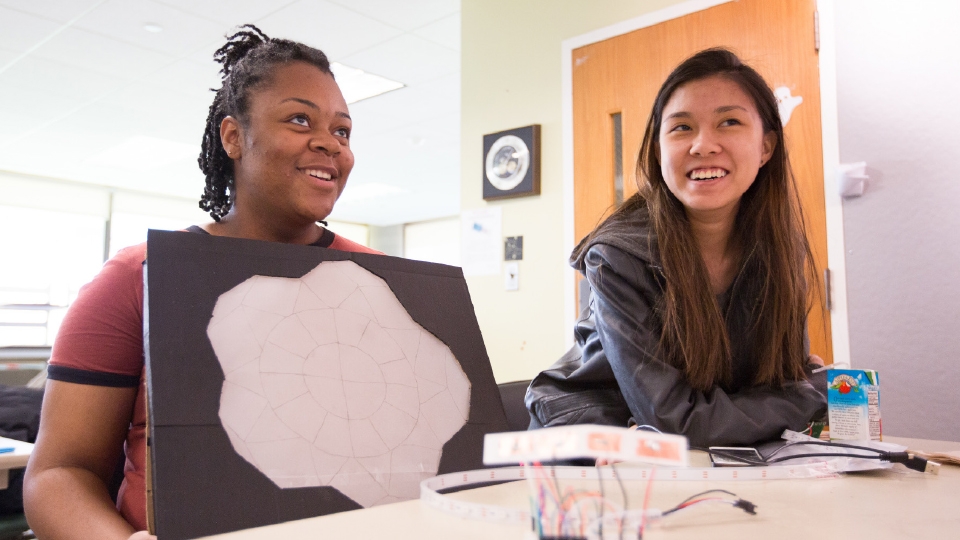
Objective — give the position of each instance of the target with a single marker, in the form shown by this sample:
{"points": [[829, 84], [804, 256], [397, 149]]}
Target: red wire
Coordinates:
{"points": [[646, 501]]}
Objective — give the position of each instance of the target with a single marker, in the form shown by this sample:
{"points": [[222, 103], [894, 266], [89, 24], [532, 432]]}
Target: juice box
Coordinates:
{"points": [[853, 404]]}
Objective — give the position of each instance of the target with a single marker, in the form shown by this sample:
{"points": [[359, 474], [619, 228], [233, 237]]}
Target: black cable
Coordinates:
{"points": [[824, 443], [880, 457], [623, 492], [734, 457], [743, 504]]}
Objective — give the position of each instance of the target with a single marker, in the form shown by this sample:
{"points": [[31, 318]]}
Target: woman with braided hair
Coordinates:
{"points": [[276, 155]]}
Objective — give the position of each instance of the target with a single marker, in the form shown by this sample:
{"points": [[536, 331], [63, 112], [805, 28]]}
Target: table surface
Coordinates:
{"points": [[16, 459], [889, 503], [12, 460]]}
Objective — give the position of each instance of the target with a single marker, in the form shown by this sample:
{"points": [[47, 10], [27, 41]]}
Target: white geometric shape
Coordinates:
{"points": [[288, 462], [329, 394], [247, 376], [437, 412], [365, 440], [273, 295], [404, 398], [261, 323], [324, 361], [408, 340], [422, 435], [239, 445], [329, 284], [430, 360], [363, 398], [290, 335], [231, 300], [379, 344], [427, 389], [329, 381], [393, 425], [240, 408], [357, 303], [355, 482], [357, 366], [280, 388], [327, 465], [270, 428], [307, 301], [320, 324], [390, 312], [350, 327], [399, 372], [303, 415], [274, 359], [334, 436], [232, 342]]}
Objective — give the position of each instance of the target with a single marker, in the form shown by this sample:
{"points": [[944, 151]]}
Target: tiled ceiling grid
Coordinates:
{"points": [[81, 77]]}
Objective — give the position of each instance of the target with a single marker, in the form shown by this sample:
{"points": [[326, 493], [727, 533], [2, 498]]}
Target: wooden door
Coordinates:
{"points": [[615, 82]]}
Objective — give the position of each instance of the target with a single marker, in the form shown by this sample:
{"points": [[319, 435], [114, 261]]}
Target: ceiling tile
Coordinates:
{"points": [[445, 32], [187, 76], [235, 13], [406, 15], [103, 55], [57, 10], [310, 22], [406, 58], [124, 20], [41, 107], [58, 79], [20, 31]]}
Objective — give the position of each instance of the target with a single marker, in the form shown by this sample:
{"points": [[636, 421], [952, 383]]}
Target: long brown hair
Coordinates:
{"points": [[769, 228]]}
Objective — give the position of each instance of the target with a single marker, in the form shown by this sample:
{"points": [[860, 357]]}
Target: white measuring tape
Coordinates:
{"points": [[486, 512]]}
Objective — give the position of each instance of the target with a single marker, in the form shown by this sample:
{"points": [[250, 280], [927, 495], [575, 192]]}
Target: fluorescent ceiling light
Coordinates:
{"points": [[373, 190], [357, 84], [143, 152]]}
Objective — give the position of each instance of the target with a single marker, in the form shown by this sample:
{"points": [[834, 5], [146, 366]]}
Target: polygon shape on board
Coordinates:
{"points": [[337, 385]]}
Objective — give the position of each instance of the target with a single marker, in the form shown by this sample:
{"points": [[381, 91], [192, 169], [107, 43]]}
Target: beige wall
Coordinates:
{"points": [[510, 69]]}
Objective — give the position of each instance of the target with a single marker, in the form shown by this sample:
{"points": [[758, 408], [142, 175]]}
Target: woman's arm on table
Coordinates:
{"points": [[82, 429], [658, 393]]}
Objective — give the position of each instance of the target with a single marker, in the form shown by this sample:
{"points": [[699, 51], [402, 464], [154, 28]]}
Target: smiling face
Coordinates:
{"points": [[292, 154], [711, 145]]}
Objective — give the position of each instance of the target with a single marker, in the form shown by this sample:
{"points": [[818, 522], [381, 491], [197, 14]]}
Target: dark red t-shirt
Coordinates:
{"points": [[101, 343]]}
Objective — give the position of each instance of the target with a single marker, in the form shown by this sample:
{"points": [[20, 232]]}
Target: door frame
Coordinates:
{"points": [[837, 290]]}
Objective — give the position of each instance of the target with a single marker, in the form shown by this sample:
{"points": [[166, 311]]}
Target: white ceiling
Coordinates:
{"points": [[80, 77]]}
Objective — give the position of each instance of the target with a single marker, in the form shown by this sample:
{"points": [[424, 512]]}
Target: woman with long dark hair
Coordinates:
{"points": [[699, 296], [276, 156]]}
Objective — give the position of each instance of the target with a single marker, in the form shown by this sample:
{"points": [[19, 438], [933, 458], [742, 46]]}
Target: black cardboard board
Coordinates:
{"points": [[201, 486]]}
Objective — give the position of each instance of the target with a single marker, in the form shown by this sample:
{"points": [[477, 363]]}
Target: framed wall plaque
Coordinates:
{"points": [[511, 163]]}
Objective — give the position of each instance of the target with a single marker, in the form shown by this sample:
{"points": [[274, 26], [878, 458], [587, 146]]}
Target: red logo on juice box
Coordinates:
{"points": [[845, 384]]}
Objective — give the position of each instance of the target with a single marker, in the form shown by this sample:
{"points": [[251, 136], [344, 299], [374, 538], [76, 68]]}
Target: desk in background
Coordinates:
{"points": [[12, 460], [886, 504]]}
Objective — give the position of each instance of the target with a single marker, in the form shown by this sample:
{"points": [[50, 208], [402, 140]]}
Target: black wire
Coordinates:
{"points": [[729, 456], [827, 454], [623, 492], [690, 498], [824, 443]]}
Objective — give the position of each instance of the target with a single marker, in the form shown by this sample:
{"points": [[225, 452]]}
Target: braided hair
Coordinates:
{"points": [[248, 60]]}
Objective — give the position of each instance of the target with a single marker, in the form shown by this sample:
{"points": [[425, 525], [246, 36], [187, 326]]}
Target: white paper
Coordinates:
{"points": [[481, 241], [329, 381]]}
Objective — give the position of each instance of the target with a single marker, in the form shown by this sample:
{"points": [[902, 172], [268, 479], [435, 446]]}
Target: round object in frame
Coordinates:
{"points": [[507, 162]]}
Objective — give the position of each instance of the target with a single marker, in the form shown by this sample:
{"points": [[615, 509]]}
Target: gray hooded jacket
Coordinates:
{"points": [[613, 374]]}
